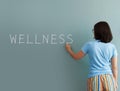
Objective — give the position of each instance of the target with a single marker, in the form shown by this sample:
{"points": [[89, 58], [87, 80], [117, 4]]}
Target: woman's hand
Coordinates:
{"points": [[68, 47], [77, 55], [115, 84]]}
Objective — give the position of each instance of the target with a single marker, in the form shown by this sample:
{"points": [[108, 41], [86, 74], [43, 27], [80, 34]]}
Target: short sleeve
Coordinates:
{"points": [[114, 52], [85, 48]]}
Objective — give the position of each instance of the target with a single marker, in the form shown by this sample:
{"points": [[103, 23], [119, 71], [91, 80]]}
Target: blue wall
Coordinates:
{"points": [[48, 67]]}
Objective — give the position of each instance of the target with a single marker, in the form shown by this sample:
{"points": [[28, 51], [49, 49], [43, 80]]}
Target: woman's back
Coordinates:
{"points": [[100, 55]]}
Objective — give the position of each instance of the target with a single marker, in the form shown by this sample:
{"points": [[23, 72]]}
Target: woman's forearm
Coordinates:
{"points": [[115, 73], [72, 54], [76, 56], [115, 70]]}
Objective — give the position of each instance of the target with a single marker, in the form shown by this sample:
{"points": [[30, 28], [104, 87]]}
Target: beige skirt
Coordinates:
{"points": [[103, 82]]}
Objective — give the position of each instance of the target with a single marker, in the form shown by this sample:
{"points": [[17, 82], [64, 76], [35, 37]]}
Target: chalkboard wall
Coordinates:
{"points": [[32, 39]]}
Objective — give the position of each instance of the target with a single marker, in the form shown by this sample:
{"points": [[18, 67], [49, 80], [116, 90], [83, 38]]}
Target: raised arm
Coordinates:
{"points": [[75, 56]]}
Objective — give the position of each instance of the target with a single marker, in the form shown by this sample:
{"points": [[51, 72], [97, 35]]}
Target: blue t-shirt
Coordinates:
{"points": [[100, 55]]}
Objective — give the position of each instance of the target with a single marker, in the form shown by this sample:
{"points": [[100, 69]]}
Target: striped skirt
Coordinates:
{"points": [[103, 82]]}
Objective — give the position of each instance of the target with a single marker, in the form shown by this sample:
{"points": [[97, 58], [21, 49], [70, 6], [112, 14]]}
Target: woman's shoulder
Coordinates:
{"points": [[111, 44], [91, 41]]}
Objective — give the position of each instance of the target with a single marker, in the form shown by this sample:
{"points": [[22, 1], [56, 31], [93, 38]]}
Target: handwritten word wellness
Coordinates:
{"points": [[40, 39]]}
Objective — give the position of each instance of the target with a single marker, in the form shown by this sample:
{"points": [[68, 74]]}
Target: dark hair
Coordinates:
{"points": [[102, 32]]}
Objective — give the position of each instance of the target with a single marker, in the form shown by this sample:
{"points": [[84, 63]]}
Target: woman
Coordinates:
{"points": [[103, 70]]}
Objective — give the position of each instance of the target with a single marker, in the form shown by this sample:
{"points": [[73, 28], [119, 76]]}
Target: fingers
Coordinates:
{"points": [[67, 46], [67, 43], [116, 86]]}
